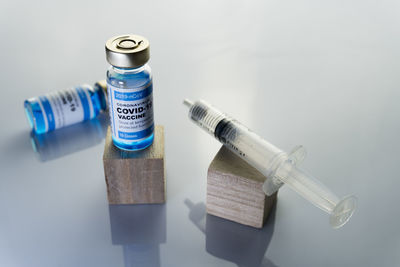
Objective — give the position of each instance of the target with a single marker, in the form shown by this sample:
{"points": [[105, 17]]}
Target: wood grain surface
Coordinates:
{"points": [[135, 177], [234, 190]]}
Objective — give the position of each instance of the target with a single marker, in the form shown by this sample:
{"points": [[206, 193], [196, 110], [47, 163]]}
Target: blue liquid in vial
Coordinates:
{"points": [[42, 118], [128, 79]]}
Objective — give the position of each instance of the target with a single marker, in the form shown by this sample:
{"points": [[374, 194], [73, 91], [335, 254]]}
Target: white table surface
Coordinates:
{"points": [[324, 74]]}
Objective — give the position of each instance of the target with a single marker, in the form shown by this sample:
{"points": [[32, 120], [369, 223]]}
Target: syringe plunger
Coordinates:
{"points": [[278, 166]]}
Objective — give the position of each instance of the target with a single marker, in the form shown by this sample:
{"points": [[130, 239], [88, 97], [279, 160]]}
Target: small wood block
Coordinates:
{"points": [[135, 177], [234, 190]]}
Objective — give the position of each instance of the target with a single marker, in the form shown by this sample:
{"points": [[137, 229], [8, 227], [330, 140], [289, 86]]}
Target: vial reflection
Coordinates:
{"points": [[71, 139]]}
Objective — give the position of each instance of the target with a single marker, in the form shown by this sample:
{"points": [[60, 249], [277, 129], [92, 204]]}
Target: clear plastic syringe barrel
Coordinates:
{"points": [[275, 164], [259, 153]]}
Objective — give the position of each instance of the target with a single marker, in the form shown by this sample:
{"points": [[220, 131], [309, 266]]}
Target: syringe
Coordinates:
{"points": [[278, 166]]}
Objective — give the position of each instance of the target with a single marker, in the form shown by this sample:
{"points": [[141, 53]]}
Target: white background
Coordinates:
{"points": [[324, 74]]}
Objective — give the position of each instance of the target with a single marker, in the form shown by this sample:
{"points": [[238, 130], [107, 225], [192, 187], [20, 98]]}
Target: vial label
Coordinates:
{"points": [[131, 112], [66, 107]]}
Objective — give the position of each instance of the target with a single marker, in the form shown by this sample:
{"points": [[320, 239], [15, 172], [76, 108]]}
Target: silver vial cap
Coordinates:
{"points": [[127, 51]]}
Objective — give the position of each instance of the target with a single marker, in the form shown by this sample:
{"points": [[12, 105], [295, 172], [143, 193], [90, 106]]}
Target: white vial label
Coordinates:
{"points": [[131, 112], [66, 107]]}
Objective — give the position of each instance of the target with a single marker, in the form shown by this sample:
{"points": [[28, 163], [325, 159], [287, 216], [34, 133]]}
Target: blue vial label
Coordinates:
{"points": [[66, 107], [131, 112]]}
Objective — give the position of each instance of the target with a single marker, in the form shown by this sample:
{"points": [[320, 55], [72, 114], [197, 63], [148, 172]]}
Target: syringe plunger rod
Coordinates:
{"points": [[278, 166]]}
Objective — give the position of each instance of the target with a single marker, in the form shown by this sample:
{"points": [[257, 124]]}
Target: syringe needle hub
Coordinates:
{"points": [[187, 103], [278, 166]]}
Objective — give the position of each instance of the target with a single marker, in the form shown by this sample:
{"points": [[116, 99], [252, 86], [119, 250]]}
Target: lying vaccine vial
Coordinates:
{"points": [[65, 107], [130, 92]]}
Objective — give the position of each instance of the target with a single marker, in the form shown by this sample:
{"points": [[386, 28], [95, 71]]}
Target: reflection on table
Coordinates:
{"points": [[71, 139], [240, 244], [140, 229]]}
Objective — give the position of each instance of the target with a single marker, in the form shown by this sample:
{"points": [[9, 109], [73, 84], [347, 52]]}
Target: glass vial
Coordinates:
{"points": [[65, 107], [130, 92]]}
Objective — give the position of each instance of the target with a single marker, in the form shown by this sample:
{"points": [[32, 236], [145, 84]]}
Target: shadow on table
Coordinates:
{"points": [[240, 244], [140, 229], [70, 139]]}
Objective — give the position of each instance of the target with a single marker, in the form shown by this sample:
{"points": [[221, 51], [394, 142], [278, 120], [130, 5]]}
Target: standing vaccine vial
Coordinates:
{"points": [[130, 92], [65, 107]]}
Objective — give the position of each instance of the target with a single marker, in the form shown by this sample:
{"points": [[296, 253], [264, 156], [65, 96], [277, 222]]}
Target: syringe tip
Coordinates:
{"points": [[188, 103]]}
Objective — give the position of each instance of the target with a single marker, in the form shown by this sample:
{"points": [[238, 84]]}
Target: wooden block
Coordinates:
{"points": [[234, 190], [135, 177]]}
